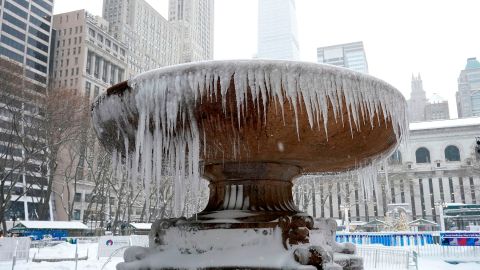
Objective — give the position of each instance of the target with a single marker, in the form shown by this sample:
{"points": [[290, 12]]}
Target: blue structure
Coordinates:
{"points": [[387, 239], [38, 230]]}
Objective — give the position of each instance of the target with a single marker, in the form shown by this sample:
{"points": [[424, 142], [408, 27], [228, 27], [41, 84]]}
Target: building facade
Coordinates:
{"points": [[277, 30], [437, 165], [195, 19], [436, 108], [25, 39], [25, 35], [152, 41], [468, 94], [350, 55], [86, 59]]}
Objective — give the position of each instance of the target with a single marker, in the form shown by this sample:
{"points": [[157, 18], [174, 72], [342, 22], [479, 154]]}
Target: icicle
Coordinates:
{"points": [[167, 132]]}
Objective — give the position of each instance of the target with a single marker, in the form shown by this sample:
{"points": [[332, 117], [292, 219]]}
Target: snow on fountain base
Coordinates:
{"points": [[261, 248]]}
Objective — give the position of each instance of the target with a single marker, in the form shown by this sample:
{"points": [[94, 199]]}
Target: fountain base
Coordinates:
{"points": [[250, 222], [186, 244]]}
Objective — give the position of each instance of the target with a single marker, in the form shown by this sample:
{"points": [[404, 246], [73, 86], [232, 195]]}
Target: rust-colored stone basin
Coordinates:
{"points": [[262, 132]]}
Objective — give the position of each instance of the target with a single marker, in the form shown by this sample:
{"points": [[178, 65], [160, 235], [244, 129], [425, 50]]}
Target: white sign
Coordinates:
{"points": [[139, 240], [112, 246], [14, 246]]}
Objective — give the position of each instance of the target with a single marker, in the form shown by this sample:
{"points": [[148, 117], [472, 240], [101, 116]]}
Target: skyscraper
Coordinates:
{"points": [[152, 41], [25, 36], [417, 101], [350, 55], [87, 60], [468, 94], [195, 19], [277, 30], [25, 39]]}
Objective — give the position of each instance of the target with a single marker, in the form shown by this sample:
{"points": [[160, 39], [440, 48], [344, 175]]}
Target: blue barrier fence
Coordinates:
{"points": [[387, 239]]}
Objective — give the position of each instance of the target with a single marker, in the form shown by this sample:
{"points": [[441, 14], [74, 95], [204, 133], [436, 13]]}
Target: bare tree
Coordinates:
{"points": [[21, 145], [65, 121]]}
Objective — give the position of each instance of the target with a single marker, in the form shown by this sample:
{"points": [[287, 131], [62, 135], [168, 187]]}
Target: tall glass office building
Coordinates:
{"points": [[277, 30], [350, 55], [468, 94], [25, 41], [25, 27]]}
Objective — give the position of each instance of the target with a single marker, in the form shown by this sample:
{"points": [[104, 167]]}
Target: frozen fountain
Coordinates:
{"points": [[250, 128]]}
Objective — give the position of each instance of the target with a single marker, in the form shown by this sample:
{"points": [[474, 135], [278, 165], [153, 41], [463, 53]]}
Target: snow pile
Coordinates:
{"points": [[218, 248], [164, 100]]}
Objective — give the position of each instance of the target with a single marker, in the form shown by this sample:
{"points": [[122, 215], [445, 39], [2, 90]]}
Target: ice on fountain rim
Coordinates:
{"points": [[162, 95]]}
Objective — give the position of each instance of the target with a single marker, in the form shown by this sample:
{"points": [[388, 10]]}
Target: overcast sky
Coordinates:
{"points": [[401, 37]]}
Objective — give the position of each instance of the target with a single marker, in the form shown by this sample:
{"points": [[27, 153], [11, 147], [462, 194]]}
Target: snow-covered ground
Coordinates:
{"points": [[68, 250], [64, 250]]}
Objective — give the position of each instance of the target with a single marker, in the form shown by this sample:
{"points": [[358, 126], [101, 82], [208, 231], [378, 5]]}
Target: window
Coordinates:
{"points": [[422, 155], [76, 214], [96, 69], [15, 56], [100, 38], [38, 34], [96, 91], [41, 14], [89, 63], [15, 10], [14, 21], [12, 43], [36, 66], [39, 23], [44, 4], [452, 153], [37, 55], [38, 44], [88, 85], [77, 197], [13, 32], [395, 158], [91, 32], [104, 72]]}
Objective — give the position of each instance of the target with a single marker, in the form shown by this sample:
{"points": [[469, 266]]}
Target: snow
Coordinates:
{"points": [[164, 100], [68, 250], [72, 225], [462, 122], [64, 250], [438, 264]]}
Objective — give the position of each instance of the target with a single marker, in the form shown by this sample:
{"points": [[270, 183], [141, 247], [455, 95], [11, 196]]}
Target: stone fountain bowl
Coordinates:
{"points": [[318, 118]]}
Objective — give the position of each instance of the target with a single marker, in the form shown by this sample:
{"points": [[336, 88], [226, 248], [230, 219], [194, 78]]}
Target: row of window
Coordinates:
{"points": [[422, 155], [69, 42], [105, 41], [35, 10]]}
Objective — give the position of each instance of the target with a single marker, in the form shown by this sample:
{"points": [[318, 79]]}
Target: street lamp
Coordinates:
{"points": [[345, 209], [440, 205]]}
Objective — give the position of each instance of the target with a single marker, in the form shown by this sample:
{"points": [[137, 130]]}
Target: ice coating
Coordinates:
{"points": [[166, 98]]}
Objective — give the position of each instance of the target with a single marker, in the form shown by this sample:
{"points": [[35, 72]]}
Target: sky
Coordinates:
{"points": [[401, 37]]}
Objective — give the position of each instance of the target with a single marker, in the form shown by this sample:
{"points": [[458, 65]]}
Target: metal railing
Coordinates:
{"points": [[384, 258]]}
